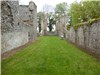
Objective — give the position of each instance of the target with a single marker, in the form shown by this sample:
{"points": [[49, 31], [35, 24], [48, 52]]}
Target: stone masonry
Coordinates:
{"points": [[61, 26], [18, 24], [87, 37]]}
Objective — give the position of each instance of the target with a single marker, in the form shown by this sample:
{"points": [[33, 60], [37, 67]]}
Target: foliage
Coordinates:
{"points": [[61, 9], [92, 9], [84, 11], [39, 24], [41, 15], [74, 12], [88, 23], [52, 21], [68, 27]]}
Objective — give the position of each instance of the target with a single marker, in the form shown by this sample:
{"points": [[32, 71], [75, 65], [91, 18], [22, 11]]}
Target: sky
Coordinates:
{"points": [[41, 3]]}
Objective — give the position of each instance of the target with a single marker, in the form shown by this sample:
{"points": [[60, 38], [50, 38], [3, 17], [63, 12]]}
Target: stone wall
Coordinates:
{"points": [[87, 37], [61, 26], [9, 16], [18, 24], [44, 24], [28, 17]]}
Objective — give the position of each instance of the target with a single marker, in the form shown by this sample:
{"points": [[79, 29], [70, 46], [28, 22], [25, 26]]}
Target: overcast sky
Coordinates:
{"points": [[40, 3]]}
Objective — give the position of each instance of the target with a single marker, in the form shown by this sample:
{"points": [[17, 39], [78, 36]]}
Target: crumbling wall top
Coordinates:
{"points": [[32, 5]]}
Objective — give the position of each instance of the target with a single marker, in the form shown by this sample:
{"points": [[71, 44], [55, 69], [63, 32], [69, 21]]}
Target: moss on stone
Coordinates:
{"points": [[88, 23], [68, 27]]}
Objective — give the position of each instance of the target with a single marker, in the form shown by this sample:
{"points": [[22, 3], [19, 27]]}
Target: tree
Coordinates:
{"points": [[61, 9], [74, 12], [52, 21], [84, 11], [92, 9]]}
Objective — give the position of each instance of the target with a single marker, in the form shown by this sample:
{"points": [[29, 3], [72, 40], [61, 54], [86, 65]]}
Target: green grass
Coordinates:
{"points": [[50, 56]]}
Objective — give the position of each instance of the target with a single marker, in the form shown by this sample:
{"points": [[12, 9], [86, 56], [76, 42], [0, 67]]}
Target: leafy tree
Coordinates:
{"points": [[92, 9], [41, 14], [61, 9], [51, 22], [74, 13], [84, 11]]}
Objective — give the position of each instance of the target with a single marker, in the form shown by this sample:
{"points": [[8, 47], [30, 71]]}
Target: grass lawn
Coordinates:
{"points": [[50, 56]]}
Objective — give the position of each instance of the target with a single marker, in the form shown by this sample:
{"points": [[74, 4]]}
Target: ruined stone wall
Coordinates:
{"points": [[58, 28], [12, 36], [61, 26], [86, 36], [44, 25], [35, 23], [28, 17], [16, 25], [9, 16]]}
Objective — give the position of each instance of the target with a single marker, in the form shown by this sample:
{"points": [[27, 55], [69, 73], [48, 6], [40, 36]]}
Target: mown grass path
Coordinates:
{"points": [[50, 56]]}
